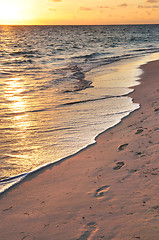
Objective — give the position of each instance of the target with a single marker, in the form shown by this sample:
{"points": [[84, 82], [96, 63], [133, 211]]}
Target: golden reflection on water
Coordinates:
{"points": [[16, 122], [24, 138], [16, 102]]}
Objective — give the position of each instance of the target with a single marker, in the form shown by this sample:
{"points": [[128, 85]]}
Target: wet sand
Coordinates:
{"points": [[107, 191]]}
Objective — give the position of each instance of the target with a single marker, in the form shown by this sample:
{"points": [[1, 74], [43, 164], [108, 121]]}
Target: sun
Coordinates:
{"points": [[10, 12]]}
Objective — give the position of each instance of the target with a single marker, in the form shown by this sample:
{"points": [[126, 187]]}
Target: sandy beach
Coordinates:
{"points": [[107, 191]]}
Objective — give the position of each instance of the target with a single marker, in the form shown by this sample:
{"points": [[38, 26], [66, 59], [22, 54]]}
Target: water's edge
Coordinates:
{"points": [[8, 183]]}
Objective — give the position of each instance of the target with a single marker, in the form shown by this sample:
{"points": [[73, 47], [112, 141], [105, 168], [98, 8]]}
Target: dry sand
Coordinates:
{"points": [[107, 191]]}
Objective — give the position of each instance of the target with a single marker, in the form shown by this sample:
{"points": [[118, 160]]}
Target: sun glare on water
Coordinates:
{"points": [[10, 12]]}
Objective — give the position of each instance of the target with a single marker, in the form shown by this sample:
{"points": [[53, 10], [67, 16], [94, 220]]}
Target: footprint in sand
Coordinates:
{"points": [[139, 131], [121, 147], [90, 230], [119, 165], [10, 208], [101, 191]]}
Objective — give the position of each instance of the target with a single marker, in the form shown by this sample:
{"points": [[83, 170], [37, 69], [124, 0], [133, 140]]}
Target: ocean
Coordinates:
{"points": [[61, 86]]}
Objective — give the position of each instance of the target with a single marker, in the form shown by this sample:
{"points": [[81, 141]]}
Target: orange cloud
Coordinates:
{"points": [[102, 7], [85, 9], [123, 5], [142, 6], [152, 1]]}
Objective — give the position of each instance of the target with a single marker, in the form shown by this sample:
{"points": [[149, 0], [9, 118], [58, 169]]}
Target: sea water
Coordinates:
{"points": [[61, 86]]}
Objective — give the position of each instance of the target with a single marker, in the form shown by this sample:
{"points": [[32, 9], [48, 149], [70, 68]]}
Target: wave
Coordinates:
{"points": [[81, 85], [147, 50], [15, 114], [91, 100], [105, 58], [55, 130], [18, 62], [79, 75], [17, 53], [91, 55], [7, 183], [5, 74], [72, 80]]}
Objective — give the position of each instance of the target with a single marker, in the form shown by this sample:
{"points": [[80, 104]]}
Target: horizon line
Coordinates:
{"points": [[125, 24]]}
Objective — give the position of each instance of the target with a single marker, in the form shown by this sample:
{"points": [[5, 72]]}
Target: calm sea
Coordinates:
{"points": [[60, 86]]}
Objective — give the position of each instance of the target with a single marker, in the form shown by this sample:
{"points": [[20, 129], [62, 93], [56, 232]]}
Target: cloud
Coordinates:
{"points": [[55, 1], [123, 5], [102, 7], [152, 1], [85, 9], [142, 6]]}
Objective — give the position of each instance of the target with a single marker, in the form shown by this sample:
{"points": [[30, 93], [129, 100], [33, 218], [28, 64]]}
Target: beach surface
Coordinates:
{"points": [[107, 191]]}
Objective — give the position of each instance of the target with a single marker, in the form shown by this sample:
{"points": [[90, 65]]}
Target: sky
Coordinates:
{"points": [[78, 12]]}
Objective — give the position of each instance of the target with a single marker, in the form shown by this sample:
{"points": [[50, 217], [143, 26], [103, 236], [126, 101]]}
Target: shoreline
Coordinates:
{"points": [[16, 172], [75, 192], [8, 182]]}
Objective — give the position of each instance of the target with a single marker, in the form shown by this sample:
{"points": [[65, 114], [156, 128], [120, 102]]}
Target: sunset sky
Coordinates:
{"points": [[55, 12]]}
